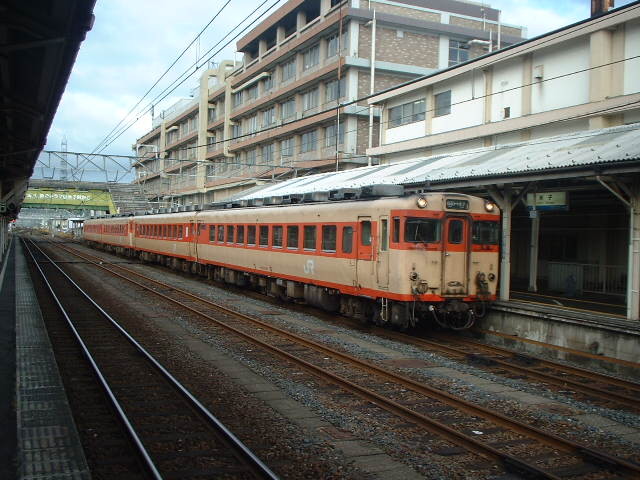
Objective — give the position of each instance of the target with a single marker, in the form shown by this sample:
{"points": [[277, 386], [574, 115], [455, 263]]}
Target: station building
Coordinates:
{"points": [[296, 103]]}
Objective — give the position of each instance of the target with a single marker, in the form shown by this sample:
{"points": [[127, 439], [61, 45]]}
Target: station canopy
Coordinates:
{"points": [[581, 154]]}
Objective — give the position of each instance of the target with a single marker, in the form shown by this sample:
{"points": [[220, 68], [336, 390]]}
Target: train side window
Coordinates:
{"points": [[251, 235], [329, 233], [276, 236], [309, 242], [221, 233], [347, 239], [365, 233], [384, 235], [180, 231], [456, 230], [212, 233], [264, 235], [422, 230], [229, 233], [164, 231], [292, 236], [395, 232], [240, 234]]}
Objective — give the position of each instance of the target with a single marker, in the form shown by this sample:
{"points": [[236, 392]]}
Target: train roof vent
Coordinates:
{"points": [[316, 197], [274, 200], [197, 208], [189, 208], [139, 213], [255, 202], [293, 198], [383, 190], [174, 209], [345, 194], [182, 208]]}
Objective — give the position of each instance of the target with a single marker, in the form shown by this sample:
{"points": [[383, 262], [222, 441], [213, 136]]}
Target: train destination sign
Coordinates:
{"points": [[457, 204]]}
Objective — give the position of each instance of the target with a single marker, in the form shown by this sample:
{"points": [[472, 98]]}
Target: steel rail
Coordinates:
{"points": [[543, 362], [633, 402], [258, 467], [546, 438]]}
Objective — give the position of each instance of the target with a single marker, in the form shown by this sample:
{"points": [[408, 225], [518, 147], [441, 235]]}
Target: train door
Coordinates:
{"points": [[192, 238], [364, 249], [199, 229], [455, 259], [382, 263]]}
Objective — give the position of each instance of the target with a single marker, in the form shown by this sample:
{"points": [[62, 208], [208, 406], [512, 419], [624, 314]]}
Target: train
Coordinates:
{"points": [[377, 255]]}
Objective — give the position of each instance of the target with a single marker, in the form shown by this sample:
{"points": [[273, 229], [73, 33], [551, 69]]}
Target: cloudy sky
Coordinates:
{"points": [[133, 42]]}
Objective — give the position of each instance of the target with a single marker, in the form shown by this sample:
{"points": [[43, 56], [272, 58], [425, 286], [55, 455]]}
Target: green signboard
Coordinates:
{"points": [[68, 198]]}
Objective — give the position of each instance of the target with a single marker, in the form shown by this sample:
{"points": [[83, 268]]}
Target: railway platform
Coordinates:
{"points": [[41, 440], [593, 335]]}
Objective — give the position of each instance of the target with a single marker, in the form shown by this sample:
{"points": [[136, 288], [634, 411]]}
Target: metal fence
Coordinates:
{"points": [[578, 278]]}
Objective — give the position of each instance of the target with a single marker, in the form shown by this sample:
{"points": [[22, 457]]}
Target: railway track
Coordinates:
{"points": [[606, 390], [519, 447], [175, 435]]}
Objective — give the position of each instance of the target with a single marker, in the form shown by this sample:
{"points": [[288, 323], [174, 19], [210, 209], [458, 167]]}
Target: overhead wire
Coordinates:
{"points": [[189, 71], [164, 73]]}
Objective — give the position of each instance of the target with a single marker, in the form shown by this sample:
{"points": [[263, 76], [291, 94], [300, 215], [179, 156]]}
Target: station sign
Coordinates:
{"points": [[547, 201]]}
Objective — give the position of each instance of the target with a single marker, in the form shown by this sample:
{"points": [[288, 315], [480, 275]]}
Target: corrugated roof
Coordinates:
{"points": [[551, 154]]}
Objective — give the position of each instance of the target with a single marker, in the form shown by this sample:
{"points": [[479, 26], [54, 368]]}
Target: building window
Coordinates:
{"points": [[330, 135], [308, 141], [309, 237], [252, 92], [442, 103], [288, 109], [329, 235], [311, 57], [236, 131], [332, 45], [269, 82], [286, 147], [335, 89], [267, 154], [269, 117], [310, 99], [408, 113], [211, 143], [211, 115], [252, 124], [289, 70], [251, 157], [237, 99], [458, 52]]}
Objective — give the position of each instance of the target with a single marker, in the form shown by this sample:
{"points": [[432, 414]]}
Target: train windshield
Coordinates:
{"points": [[486, 232], [422, 230]]}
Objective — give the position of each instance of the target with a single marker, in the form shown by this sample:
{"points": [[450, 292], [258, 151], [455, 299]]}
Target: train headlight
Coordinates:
{"points": [[489, 206], [422, 202], [491, 277]]}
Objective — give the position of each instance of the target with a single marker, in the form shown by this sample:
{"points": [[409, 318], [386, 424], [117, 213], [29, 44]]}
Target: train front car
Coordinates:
{"points": [[443, 249]]}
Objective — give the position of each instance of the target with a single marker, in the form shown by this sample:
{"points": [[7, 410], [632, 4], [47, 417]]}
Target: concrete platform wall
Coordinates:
{"points": [[591, 334]]}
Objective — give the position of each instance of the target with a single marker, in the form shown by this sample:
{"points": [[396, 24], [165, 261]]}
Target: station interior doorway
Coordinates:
{"points": [[582, 252]]}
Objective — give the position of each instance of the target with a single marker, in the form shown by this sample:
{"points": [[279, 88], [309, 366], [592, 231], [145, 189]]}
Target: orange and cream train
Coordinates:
{"points": [[391, 260]]}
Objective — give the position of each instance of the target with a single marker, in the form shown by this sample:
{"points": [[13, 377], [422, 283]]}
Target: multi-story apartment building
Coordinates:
{"points": [[297, 104]]}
